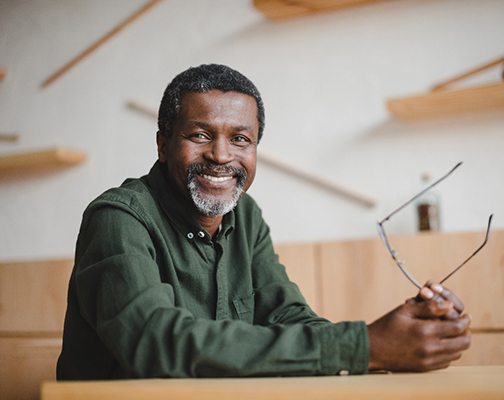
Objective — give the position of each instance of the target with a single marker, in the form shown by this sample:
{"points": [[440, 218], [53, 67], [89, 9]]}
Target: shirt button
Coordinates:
{"points": [[344, 372], [201, 234], [190, 235]]}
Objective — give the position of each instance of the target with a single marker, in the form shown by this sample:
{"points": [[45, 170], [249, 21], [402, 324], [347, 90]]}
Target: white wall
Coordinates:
{"points": [[324, 79]]}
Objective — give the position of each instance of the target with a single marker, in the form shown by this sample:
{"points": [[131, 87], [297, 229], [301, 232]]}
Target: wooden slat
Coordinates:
{"points": [[25, 364], [9, 137], [33, 297], [283, 9], [42, 160], [360, 280], [486, 349], [98, 43], [141, 108], [300, 260], [446, 102], [471, 72], [318, 181]]}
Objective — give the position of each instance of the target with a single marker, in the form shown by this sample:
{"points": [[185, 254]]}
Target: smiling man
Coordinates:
{"points": [[175, 273]]}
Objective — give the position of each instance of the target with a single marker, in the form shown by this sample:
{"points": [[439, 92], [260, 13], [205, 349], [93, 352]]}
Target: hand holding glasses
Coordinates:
{"points": [[393, 253]]}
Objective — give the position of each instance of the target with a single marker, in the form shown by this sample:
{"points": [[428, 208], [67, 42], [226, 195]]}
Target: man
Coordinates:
{"points": [[175, 273]]}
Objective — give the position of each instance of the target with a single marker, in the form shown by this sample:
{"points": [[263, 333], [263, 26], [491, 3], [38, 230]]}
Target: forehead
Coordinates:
{"points": [[217, 105]]}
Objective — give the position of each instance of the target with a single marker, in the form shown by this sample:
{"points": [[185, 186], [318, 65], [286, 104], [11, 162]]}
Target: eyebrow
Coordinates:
{"points": [[206, 125]]}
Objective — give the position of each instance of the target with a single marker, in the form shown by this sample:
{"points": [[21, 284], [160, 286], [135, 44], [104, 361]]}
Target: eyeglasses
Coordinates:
{"points": [[395, 256]]}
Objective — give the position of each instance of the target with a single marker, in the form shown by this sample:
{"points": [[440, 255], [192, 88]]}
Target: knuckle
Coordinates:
{"points": [[460, 326], [424, 364], [425, 330], [466, 341], [424, 351]]}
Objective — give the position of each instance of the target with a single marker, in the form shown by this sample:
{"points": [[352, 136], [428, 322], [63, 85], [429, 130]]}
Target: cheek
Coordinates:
{"points": [[250, 167]]}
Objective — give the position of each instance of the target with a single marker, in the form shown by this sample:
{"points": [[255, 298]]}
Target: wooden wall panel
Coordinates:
{"points": [[33, 296], [486, 349], [300, 260], [360, 280], [25, 364]]}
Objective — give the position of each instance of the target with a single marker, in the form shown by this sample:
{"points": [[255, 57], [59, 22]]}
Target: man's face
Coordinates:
{"points": [[211, 154]]}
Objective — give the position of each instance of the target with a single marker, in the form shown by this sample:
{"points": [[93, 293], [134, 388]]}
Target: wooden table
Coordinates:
{"points": [[478, 382]]}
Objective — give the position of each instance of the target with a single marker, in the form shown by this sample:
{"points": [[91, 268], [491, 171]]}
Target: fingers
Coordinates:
{"points": [[403, 341], [432, 306], [448, 295], [443, 328], [454, 328], [442, 353], [441, 302]]}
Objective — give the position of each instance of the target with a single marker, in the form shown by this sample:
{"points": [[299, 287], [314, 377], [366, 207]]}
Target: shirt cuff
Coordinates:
{"points": [[344, 348]]}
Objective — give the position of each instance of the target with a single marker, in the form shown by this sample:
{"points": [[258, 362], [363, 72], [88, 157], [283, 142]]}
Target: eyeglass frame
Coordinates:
{"points": [[393, 253]]}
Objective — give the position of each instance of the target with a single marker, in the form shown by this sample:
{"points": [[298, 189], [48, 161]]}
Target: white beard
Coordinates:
{"points": [[208, 204]]}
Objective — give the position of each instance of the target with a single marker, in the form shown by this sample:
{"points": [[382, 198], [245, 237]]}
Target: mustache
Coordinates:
{"points": [[214, 169]]}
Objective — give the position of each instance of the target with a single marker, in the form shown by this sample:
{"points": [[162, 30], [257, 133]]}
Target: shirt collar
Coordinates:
{"points": [[177, 208]]}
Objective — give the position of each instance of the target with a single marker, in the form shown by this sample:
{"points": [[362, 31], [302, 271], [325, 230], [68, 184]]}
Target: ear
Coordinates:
{"points": [[162, 145]]}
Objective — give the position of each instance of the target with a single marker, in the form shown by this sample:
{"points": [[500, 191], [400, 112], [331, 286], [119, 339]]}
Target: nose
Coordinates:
{"points": [[219, 151]]}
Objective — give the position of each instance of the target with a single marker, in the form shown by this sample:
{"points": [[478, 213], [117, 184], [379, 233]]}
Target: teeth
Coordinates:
{"points": [[217, 178]]}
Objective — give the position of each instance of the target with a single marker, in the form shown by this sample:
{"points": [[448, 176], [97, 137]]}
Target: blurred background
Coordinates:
{"points": [[325, 78]]}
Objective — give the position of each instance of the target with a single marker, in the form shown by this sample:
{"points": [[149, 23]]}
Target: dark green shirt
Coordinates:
{"points": [[152, 295]]}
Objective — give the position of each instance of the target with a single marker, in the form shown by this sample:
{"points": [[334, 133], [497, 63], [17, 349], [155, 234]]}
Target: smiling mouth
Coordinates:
{"points": [[217, 179]]}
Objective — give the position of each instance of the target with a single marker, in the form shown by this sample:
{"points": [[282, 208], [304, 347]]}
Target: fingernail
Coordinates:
{"points": [[437, 288], [427, 293]]}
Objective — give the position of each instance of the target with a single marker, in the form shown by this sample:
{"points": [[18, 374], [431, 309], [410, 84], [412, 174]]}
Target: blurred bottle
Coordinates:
{"points": [[428, 207]]}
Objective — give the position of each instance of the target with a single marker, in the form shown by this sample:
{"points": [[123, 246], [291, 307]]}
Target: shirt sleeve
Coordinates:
{"points": [[344, 345], [121, 295]]}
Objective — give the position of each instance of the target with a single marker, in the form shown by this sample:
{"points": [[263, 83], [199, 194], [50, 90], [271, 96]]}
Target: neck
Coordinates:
{"points": [[210, 224]]}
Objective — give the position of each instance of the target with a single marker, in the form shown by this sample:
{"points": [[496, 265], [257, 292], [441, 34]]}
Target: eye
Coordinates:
{"points": [[241, 140], [199, 137]]}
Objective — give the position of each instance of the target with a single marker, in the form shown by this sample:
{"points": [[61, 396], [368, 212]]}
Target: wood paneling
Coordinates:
{"points": [[300, 260], [25, 364], [345, 280], [33, 296], [486, 349], [360, 280]]}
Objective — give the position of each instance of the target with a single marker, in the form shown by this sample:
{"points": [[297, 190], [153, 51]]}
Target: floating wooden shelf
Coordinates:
{"points": [[444, 102], [283, 9], [43, 160], [9, 137]]}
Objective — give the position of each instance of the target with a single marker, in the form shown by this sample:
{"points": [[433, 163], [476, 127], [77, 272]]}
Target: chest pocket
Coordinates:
{"points": [[244, 308]]}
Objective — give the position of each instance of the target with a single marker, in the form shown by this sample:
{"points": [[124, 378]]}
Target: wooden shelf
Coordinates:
{"points": [[283, 9], [442, 100], [445, 102], [3, 72], [9, 137], [43, 160]]}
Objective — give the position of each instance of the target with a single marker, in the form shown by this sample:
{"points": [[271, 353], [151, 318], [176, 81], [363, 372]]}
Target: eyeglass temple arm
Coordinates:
{"points": [[421, 193], [487, 235], [393, 254]]}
